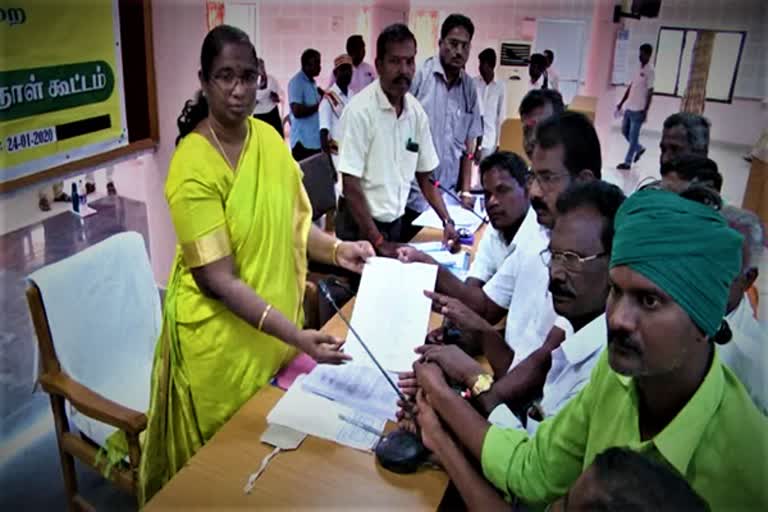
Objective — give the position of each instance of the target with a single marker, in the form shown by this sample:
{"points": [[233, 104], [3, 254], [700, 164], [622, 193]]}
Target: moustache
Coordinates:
{"points": [[538, 204], [404, 79], [624, 340], [559, 289]]}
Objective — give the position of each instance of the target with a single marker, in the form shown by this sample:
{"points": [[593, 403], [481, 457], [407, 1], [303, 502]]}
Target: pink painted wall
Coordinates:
{"points": [[287, 29], [176, 64], [381, 18], [178, 31], [176, 61]]}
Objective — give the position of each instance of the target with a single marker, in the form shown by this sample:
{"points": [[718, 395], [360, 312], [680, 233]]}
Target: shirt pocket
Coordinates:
{"points": [[410, 160]]}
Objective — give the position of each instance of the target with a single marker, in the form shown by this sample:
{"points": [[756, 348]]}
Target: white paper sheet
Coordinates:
{"points": [[319, 416], [362, 388], [391, 313], [460, 215]]}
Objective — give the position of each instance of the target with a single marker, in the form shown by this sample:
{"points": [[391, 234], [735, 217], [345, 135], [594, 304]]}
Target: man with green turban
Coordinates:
{"points": [[660, 388]]}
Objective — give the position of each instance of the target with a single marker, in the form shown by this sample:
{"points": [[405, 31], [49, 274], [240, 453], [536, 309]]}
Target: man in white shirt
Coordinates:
{"points": [[385, 143], [746, 353], [449, 97], [567, 152], [268, 98], [638, 99], [577, 258], [552, 75], [493, 102], [332, 106], [362, 72], [503, 176]]}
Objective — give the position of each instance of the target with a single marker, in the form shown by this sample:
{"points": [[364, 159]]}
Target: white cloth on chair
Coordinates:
{"points": [[104, 315]]}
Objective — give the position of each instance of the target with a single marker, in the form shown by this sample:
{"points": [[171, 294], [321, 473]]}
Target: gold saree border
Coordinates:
{"points": [[211, 247]]}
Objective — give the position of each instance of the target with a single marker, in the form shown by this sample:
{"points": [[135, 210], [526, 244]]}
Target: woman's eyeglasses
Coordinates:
{"points": [[227, 80]]}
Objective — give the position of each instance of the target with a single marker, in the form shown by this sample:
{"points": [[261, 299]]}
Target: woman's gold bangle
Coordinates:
{"points": [[264, 316], [335, 252]]}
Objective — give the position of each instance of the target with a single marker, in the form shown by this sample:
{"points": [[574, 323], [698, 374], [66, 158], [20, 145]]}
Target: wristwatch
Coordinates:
{"points": [[449, 221], [466, 193], [483, 383]]}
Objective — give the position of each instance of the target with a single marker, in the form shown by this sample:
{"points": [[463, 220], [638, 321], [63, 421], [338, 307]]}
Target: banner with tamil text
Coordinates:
{"points": [[61, 86]]}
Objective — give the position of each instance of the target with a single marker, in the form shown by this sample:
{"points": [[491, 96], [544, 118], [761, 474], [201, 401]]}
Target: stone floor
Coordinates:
{"points": [[30, 478]]}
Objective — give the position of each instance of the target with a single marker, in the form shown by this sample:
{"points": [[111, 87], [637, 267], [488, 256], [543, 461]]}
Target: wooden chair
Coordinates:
{"points": [[511, 137], [71, 342], [62, 388]]}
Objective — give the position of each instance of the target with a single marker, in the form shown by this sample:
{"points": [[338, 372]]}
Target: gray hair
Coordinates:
{"points": [[748, 224], [696, 129]]}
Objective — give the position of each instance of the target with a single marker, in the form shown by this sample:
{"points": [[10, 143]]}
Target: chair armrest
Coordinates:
{"points": [[93, 404]]}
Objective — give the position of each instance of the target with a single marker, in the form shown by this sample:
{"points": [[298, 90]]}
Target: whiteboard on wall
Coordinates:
{"points": [[566, 38]]}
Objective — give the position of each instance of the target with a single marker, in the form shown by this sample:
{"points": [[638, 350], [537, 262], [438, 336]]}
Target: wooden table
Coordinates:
{"points": [[319, 475]]}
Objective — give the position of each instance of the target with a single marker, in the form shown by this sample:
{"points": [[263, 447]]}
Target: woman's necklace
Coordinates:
{"points": [[221, 148]]}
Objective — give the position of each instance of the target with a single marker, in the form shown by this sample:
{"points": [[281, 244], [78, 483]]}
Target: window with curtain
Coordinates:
{"points": [[424, 25]]}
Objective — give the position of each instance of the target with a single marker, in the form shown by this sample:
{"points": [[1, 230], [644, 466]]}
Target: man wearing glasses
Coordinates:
{"points": [[577, 258], [567, 152], [449, 96]]}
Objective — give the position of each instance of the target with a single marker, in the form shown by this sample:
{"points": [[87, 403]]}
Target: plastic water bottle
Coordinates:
{"points": [[83, 194], [75, 199]]}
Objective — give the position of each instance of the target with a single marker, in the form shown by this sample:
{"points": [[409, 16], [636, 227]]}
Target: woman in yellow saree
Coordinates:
{"points": [[233, 308]]}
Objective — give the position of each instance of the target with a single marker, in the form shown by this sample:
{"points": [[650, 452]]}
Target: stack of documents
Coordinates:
{"points": [[457, 263], [461, 216], [318, 416], [350, 403], [362, 388]]}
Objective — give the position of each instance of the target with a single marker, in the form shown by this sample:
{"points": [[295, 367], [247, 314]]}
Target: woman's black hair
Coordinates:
{"points": [[196, 109]]}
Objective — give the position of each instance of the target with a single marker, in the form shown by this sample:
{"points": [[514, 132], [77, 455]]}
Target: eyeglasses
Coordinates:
{"points": [[227, 80], [546, 181], [570, 260]]}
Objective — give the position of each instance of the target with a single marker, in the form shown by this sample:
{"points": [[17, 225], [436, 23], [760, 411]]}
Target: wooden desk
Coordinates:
{"points": [[319, 475]]}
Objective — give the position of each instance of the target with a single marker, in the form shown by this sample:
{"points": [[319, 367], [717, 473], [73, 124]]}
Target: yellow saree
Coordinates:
{"points": [[208, 362]]}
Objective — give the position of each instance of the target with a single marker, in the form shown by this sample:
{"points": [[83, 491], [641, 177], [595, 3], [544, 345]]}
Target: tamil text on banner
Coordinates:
{"points": [[61, 86]]}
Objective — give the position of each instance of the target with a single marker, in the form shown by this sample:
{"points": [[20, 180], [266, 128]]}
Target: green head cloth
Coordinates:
{"points": [[684, 247]]}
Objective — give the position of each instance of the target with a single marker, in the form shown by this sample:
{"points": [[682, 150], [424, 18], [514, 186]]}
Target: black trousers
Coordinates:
{"points": [[272, 118], [409, 230], [348, 229], [300, 153]]}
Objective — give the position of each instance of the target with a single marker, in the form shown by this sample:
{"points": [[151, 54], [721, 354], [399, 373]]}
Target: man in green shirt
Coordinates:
{"points": [[660, 388]]}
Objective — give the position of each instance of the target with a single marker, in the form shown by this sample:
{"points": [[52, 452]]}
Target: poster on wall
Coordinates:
{"points": [[620, 72], [61, 85]]}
